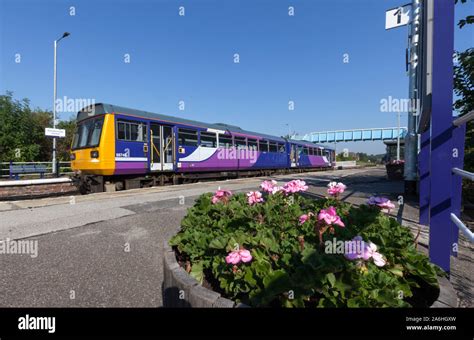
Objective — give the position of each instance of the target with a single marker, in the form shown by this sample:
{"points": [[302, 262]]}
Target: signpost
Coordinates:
{"points": [[59, 133], [397, 17]]}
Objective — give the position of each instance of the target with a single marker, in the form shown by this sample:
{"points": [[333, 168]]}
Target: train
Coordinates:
{"points": [[118, 148]]}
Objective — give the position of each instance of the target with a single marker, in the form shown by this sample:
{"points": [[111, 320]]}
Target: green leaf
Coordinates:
{"points": [[218, 243], [396, 270], [197, 271], [249, 278], [331, 279], [352, 303]]}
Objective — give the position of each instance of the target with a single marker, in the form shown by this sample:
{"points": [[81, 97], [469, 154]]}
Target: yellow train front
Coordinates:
{"points": [[100, 132]]}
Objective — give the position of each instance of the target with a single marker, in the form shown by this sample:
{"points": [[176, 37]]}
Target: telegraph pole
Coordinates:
{"points": [[411, 139]]}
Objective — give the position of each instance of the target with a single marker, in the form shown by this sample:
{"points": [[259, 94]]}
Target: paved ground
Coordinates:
{"points": [[103, 250]]}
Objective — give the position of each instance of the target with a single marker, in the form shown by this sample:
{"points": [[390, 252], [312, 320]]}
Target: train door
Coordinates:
{"points": [[168, 147], [294, 156], [162, 147]]}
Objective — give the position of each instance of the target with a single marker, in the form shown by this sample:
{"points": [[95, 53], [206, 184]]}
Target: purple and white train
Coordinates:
{"points": [[116, 148]]}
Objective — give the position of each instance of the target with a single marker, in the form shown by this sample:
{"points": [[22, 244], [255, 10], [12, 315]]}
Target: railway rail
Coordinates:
{"points": [[43, 188]]}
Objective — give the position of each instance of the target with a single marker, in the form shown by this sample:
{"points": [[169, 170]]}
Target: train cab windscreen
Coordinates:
{"points": [[87, 134]]}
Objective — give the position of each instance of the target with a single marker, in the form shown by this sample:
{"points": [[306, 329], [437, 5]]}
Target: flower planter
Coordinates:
{"points": [[180, 290], [281, 249], [394, 171]]}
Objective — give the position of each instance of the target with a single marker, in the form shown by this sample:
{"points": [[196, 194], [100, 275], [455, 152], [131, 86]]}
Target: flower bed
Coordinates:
{"points": [[278, 248]]}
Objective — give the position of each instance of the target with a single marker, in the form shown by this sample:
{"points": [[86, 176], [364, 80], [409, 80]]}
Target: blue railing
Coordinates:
{"points": [[353, 135], [460, 122]]}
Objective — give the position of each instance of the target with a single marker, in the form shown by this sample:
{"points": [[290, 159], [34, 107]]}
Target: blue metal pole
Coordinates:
{"points": [[424, 176], [441, 133], [459, 135]]}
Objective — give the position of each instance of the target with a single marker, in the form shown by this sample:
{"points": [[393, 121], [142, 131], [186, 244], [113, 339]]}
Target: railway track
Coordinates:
{"points": [[35, 189]]}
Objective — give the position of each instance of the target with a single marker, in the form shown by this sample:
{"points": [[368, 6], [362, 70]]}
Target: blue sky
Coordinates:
{"points": [[191, 58]]}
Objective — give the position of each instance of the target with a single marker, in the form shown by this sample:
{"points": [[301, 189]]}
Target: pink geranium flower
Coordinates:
{"points": [[254, 197], [236, 256], [233, 257], [365, 251], [221, 196], [330, 217], [303, 218], [245, 255], [269, 186], [382, 202], [334, 189], [294, 186]]}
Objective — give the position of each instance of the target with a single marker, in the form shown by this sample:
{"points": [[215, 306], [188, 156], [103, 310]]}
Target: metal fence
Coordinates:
{"points": [[461, 122], [64, 169]]}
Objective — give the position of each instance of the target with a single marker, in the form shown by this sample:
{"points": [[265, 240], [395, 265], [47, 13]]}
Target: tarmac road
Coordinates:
{"points": [[104, 250]]}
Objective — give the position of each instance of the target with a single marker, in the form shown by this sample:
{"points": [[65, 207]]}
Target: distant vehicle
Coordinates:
{"points": [[117, 148]]}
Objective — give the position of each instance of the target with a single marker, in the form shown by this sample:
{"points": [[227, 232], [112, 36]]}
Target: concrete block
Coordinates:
{"points": [[202, 297], [223, 303]]}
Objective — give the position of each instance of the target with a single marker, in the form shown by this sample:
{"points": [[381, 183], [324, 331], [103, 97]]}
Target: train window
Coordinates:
{"points": [[121, 130], [252, 143], [263, 145], [305, 150], [87, 133], [209, 139], [131, 131], [310, 151], [134, 135], [187, 137], [281, 148], [225, 141], [273, 147], [96, 130], [240, 143]]}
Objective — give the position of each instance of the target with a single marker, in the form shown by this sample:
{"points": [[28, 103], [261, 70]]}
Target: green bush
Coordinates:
{"points": [[294, 264]]}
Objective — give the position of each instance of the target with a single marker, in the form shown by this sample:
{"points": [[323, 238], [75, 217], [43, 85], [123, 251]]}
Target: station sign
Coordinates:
{"points": [[397, 17], [61, 133]]}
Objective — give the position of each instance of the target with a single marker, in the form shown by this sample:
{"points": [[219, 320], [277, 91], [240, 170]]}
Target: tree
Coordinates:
{"points": [[64, 144], [464, 90], [19, 133], [22, 137]]}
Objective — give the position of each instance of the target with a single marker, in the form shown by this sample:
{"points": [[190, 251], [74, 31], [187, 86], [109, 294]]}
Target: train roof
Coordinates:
{"points": [[103, 108]]}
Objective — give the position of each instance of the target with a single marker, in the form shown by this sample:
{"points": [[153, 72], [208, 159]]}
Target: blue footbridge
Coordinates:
{"points": [[354, 135]]}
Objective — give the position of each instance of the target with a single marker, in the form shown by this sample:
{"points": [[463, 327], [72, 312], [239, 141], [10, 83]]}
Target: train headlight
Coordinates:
{"points": [[72, 156], [94, 154]]}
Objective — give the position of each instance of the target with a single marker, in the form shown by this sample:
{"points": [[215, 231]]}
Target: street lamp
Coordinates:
{"points": [[289, 130], [65, 34]]}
